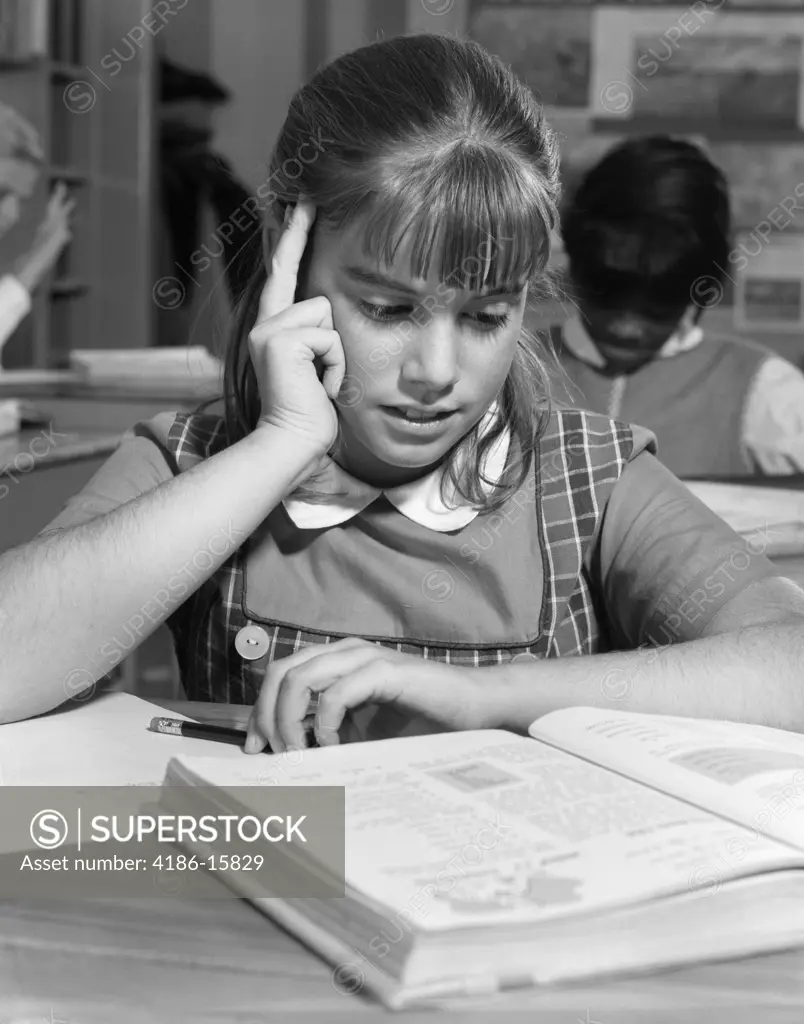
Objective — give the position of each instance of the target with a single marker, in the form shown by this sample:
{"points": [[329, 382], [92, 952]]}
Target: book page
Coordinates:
{"points": [[103, 742], [751, 774], [477, 827]]}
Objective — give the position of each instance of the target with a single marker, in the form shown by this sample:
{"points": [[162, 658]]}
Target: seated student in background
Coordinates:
{"points": [[390, 513], [643, 226]]}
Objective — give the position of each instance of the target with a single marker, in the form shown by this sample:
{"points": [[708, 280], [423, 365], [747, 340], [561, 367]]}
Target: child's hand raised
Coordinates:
{"points": [[52, 235], [352, 672], [288, 337]]}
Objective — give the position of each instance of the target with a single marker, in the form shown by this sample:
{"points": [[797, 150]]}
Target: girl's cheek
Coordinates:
{"points": [[346, 323]]}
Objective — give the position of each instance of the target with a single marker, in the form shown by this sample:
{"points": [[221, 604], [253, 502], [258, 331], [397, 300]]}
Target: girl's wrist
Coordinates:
{"points": [[301, 448], [294, 457], [516, 697]]}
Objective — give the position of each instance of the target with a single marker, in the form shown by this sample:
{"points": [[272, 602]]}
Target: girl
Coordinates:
{"points": [[390, 516], [647, 236]]}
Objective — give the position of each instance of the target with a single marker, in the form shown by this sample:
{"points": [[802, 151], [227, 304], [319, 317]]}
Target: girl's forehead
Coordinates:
{"points": [[401, 260]]}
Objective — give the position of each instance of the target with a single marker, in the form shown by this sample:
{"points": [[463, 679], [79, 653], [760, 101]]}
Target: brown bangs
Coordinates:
{"points": [[471, 213]]}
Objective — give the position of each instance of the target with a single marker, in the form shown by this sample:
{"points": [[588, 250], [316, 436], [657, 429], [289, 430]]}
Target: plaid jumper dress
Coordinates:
{"points": [[580, 458]]}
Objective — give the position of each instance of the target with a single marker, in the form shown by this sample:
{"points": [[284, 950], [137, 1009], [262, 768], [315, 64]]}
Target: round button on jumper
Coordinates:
{"points": [[524, 656], [252, 643]]}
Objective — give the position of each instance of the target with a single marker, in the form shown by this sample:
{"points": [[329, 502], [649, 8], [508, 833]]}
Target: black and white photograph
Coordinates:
{"points": [[401, 511]]}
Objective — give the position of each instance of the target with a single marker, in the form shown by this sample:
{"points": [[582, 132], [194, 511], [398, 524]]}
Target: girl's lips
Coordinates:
{"points": [[416, 415], [408, 425]]}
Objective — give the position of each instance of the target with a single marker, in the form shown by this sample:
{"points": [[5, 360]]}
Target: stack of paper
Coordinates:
{"points": [[179, 365]]}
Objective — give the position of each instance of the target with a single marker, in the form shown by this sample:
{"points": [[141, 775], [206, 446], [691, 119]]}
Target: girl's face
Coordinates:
{"points": [[424, 358]]}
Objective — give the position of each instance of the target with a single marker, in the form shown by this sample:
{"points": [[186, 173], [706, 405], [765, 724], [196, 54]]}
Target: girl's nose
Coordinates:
{"points": [[432, 361]]}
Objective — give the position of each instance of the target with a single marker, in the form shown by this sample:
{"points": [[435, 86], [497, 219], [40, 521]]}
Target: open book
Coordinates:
{"points": [[608, 843]]}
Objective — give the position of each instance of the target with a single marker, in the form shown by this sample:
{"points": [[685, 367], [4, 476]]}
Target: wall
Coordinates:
{"points": [[257, 51], [264, 50]]}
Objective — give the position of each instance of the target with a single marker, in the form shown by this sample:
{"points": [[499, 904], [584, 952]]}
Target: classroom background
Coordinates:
{"points": [[160, 118]]}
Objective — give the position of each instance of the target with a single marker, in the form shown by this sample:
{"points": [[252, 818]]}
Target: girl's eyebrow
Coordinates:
{"points": [[378, 280], [372, 277]]}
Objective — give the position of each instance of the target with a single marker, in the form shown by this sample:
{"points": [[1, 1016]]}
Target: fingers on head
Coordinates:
{"points": [[280, 287]]}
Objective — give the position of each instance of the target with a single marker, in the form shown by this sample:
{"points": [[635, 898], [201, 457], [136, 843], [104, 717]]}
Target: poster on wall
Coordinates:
{"points": [[725, 79], [543, 3], [797, 5], [549, 50], [769, 288], [766, 183], [705, 66], [745, 5]]}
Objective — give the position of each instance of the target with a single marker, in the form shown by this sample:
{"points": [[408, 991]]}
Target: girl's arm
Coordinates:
{"points": [[748, 666], [701, 624], [65, 596]]}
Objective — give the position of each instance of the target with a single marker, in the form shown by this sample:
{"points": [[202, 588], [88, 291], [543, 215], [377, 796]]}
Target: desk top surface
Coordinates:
{"points": [[37, 448], [137, 961]]}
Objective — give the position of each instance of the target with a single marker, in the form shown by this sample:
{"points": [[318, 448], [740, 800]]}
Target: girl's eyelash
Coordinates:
{"points": [[384, 314], [377, 312], [494, 321]]}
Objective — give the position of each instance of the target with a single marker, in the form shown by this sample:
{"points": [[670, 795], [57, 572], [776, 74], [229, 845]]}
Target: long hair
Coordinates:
{"points": [[431, 139]]}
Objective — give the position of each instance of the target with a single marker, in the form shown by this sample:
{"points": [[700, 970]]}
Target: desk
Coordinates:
{"points": [[40, 470], [791, 566], [138, 961]]}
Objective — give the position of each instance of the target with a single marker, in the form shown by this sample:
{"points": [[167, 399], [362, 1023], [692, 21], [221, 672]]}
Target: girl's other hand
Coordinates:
{"points": [[286, 341], [353, 672]]}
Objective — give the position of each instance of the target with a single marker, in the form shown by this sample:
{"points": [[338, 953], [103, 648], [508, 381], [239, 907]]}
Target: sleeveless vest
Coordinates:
{"points": [[557, 513], [693, 402]]}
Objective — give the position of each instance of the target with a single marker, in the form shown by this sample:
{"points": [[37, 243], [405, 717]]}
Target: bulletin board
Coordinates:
{"points": [[725, 74]]}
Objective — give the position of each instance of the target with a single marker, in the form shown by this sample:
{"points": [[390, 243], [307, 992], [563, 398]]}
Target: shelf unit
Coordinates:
{"points": [[97, 132]]}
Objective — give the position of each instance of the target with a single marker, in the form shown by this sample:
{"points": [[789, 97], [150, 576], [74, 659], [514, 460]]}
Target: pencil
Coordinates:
{"points": [[195, 730], [219, 733]]}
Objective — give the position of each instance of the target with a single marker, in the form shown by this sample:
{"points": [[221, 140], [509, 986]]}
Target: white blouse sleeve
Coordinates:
{"points": [[773, 424], [15, 305]]}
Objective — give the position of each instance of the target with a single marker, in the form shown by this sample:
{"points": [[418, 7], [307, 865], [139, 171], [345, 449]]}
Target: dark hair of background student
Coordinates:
{"points": [[643, 226]]}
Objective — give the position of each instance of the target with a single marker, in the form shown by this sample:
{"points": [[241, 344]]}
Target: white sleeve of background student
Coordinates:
{"points": [[15, 305], [773, 422]]}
